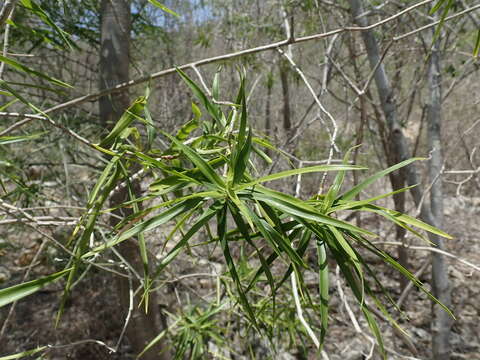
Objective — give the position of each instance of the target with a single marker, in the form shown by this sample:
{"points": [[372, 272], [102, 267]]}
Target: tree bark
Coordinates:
{"points": [[431, 213], [397, 148], [442, 322], [287, 123], [114, 69]]}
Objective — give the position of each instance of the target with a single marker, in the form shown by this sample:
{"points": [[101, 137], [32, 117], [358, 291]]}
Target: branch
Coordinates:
{"points": [[258, 49], [433, 249], [29, 117], [268, 47]]}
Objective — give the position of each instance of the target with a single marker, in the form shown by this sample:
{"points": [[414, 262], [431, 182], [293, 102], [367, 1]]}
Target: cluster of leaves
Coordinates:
{"points": [[205, 180]]}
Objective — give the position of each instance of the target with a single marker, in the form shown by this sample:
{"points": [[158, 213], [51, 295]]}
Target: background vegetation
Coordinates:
{"points": [[196, 163]]}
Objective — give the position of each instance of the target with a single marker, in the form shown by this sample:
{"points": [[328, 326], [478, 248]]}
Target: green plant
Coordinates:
{"points": [[206, 177]]}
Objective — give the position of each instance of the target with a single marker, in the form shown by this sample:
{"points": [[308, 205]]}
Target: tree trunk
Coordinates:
{"points": [[287, 123], [431, 213], [442, 322], [397, 148], [114, 69]]}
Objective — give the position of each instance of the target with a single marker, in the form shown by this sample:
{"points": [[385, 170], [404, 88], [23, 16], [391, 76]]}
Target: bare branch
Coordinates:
{"points": [[258, 49]]}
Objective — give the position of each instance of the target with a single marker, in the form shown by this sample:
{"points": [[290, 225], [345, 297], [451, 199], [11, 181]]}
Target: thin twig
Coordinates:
{"points": [[432, 249], [409, 286], [28, 117], [352, 316], [331, 134], [129, 313], [428, 26], [81, 342], [229, 56], [298, 306]]}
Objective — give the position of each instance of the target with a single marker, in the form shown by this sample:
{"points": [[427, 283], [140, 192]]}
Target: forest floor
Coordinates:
{"points": [[92, 314]]}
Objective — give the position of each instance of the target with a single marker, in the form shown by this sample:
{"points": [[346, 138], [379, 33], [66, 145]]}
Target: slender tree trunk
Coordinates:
{"points": [[114, 69], [114, 58], [442, 322], [287, 123], [362, 122], [431, 213], [397, 148]]}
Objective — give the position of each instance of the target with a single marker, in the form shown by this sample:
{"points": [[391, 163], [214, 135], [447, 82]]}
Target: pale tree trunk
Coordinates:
{"points": [[397, 148], [114, 69], [442, 322], [398, 144]]}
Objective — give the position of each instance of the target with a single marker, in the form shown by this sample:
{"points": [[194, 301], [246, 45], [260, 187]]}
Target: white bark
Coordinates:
{"points": [[441, 323], [431, 213]]}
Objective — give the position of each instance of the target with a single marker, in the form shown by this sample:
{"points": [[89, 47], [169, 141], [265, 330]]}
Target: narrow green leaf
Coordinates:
{"points": [[199, 223], [349, 254], [163, 7], [445, 12], [222, 231], [30, 71], [152, 162], [262, 154], [37, 10], [24, 353], [241, 151], [323, 287], [4, 140], [188, 177], [7, 93], [212, 109], [151, 131], [157, 338], [348, 205], [397, 266], [16, 94], [186, 129], [437, 6], [301, 249], [409, 220], [147, 225], [373, 325], [136, 109], [357, 291], [305, 170], [349, 195], [476, 48], [242, 159], [17, 292], [237, 217], [281, 240], [206, 169], [401, 224], [138, 215], [37, 86], [297, 208], [337, 183], [141, 241], [104, 187]]}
